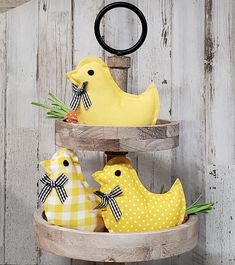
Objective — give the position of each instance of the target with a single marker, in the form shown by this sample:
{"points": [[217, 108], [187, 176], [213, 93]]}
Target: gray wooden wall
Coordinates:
{"points": [[190, 55]]}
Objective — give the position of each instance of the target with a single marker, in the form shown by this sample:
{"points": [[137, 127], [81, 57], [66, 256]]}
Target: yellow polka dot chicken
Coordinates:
{"points": [[127, 206]]}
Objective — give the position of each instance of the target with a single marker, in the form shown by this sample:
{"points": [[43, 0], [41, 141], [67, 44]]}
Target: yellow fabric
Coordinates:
{"points": [[78, 209], [110, 104], [141, 210]]}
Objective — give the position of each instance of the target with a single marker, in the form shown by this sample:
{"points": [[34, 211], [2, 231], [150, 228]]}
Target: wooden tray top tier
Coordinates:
{"points": [[164, 135], [115, 247]]}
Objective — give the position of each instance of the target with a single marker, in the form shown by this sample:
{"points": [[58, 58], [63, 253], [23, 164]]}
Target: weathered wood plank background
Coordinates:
{"points": [[190, 55]]}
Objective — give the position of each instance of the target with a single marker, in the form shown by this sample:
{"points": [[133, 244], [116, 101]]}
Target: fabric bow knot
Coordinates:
{"points": [[109, 199], [79, 94], [58, 185]]}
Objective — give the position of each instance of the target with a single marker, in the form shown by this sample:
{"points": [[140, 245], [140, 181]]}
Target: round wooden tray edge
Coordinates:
{"points": [[163, 124], [115, 247], [193, 220], [117, 139]]}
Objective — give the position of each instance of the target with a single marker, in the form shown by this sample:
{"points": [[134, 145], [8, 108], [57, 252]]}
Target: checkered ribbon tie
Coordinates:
{"points": [[78, 94], [58, 185], [109, 199]]}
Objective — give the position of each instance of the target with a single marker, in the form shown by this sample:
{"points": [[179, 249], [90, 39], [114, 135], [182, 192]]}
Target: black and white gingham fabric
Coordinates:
{"points": [[109, 199], [78, 95], [50, 184]]}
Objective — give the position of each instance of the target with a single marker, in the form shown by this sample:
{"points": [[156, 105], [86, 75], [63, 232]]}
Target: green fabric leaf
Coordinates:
{"points": [[57, 109]]}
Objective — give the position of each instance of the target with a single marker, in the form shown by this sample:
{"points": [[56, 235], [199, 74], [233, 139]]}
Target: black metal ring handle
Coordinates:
{"points": [[137, 12]]}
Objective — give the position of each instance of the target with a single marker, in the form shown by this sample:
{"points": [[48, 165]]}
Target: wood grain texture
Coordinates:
{"points": [[220, 144], [119, 66], [189, 53], [220, 93], [6, 5], [20, 202], [154, 64], [21, 135], [188, 105], [220, 223], [116, 247], [123, 139], [54, 60], [2, 132], [121, 32]]}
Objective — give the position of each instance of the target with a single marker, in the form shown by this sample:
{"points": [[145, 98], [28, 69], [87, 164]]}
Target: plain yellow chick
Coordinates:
{"points": [[109, 104], [68, 199], [140, 209]]}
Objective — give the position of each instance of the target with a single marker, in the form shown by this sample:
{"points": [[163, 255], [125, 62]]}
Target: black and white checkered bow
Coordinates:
{"points": [[50, 184], [109, 199], [78, 94]]}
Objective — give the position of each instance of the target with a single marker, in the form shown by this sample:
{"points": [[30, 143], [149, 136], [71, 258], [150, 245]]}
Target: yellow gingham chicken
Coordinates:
{"points": [[68, 199]]}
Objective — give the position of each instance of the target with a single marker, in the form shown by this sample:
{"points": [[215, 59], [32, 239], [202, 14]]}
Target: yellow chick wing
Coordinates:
{"points": [[110, 104], [169, 208]]}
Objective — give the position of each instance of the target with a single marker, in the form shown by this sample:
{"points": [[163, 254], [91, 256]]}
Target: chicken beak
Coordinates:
{"points": [[46, 165], [73, 77], [98, 177]]}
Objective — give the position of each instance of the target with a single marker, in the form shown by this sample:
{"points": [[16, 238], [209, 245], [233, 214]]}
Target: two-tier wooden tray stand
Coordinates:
{"points": [[116, 247]]}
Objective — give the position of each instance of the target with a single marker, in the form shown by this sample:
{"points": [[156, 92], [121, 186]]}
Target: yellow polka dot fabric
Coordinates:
{"points": [[142, 210], [78, 209]]}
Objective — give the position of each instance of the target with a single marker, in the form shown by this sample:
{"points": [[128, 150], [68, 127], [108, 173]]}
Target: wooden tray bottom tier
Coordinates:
{"points": [[162, 136], [116, 247]]}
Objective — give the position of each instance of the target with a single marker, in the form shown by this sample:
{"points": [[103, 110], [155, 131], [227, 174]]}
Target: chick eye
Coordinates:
{"points": [[117, 173], [66, 163], [90, 72]]}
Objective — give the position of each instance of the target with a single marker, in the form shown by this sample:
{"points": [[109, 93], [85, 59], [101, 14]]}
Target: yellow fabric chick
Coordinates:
{"points": [[140, 210], [68, 199], [106, 103]]}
